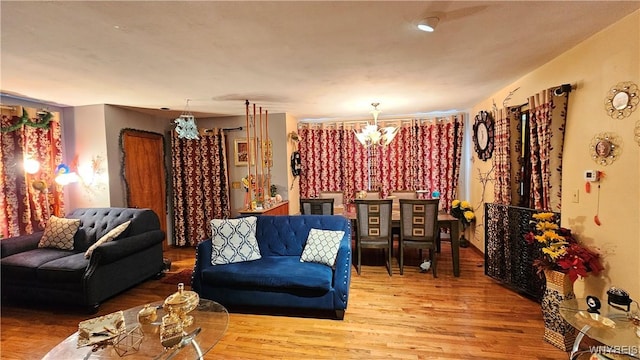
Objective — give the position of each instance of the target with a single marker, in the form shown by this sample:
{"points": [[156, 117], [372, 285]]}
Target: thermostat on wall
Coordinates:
{"points": [[591, 175]]}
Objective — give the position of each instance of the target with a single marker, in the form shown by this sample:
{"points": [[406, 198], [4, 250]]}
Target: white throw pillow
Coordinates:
{"points": [[234, 240], [322, 246], [114, 233], [58, 233]]}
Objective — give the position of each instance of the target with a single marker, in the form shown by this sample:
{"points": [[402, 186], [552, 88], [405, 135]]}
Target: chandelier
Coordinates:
{"points": [[186, 125], [372, 134]]}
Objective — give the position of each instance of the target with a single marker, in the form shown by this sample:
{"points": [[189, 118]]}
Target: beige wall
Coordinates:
{"points": [[85, 139], [595, 65]]}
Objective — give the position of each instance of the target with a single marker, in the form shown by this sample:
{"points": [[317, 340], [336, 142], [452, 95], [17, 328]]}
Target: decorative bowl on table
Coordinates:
{"points": [[181, 303], [100, 329]]}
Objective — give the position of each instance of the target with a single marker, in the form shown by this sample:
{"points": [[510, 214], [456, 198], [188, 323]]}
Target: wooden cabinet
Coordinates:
{"points": [[280, 209]]}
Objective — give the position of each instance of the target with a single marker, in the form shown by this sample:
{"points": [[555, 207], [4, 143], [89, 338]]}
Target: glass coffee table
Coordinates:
{"points": [[611, 327], [210, 323]]}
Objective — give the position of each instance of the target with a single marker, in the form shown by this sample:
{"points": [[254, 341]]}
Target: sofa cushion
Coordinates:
{"points": [[322, 246], [234, 240], [114, 233], [65, 269], [59, 232], [273, 272], [23, 265]]}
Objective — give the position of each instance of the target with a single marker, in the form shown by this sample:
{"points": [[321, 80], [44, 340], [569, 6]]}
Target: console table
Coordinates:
{"points": [[281, 208]]}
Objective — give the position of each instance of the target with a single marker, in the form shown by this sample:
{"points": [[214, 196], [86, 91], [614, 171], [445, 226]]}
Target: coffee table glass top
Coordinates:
{"points": [[611, 327], [210, 323]]}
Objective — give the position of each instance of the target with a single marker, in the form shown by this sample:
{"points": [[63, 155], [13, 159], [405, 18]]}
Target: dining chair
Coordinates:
{"points": [[316, 206], [419, 228], [373, 228], [396, 195], [337, 196]]}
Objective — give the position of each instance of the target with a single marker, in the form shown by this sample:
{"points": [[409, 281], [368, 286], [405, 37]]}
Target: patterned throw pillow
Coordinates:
{"points": [[322, 246], [234, 240], [114, 233], [59, 232]]}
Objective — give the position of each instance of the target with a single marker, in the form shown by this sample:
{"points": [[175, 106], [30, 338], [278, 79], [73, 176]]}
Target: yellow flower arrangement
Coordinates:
{"points": [[463, 211], [559, 250]]}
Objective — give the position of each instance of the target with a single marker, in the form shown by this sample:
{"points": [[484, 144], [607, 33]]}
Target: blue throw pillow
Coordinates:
{"points": [[234, 240]]}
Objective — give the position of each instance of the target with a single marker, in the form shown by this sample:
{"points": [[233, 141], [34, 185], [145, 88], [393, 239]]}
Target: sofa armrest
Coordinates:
{"points": [[18, 244], [121, 248], [203, 261], [342, 272]]}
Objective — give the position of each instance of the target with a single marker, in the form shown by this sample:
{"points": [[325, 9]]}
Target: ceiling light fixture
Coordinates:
{"points": [[429, 24], [372, 135], [186, 125]]}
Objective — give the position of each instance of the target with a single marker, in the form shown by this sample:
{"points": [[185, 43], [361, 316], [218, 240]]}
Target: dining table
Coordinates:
{"points": [[444, 220]]}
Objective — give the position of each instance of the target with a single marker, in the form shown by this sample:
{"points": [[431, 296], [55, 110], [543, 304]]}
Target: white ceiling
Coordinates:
{"points": [[312, 59]]}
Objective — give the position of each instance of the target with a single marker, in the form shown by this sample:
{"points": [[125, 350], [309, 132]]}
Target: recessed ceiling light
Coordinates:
{"points": [[429, 24]]}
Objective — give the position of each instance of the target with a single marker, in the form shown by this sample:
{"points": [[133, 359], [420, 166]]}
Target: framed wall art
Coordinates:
{"points": [[241, 152]]}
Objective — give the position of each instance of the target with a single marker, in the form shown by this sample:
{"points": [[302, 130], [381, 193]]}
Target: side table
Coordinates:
{"points": [[617, 338]]}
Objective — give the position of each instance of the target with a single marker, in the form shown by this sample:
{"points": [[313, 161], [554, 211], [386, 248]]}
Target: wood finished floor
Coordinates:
{"points": [[413, 316]]}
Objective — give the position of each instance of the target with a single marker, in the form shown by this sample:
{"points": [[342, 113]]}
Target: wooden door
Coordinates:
{"points": [[144, 172]]}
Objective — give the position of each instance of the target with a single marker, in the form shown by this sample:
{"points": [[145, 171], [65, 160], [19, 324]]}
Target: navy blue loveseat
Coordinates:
{"points": [[279, 279], [66, 276]]}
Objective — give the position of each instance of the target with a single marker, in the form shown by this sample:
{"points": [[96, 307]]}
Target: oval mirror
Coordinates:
{"points": [[620, 100]]}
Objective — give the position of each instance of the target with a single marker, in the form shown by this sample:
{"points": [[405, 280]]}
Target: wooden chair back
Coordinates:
{"points": [[316, 206]]}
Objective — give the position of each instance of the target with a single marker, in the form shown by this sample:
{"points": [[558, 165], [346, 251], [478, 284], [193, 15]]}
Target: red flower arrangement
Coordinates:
{"points": [[560, 251]]}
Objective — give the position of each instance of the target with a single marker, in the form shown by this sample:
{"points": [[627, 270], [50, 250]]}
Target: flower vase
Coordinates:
{"points": [[464, 243], [557, 331]]}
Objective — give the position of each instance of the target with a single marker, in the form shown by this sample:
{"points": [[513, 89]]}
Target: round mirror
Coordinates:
{"points": [[620, 100]]}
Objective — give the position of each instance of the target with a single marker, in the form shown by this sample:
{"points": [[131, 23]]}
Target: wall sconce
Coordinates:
{"points": [[92, 175], [64, 176], [31, 165]]}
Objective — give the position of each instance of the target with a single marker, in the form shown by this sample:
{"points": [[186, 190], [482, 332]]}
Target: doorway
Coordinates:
{"points": [[145, 173]]}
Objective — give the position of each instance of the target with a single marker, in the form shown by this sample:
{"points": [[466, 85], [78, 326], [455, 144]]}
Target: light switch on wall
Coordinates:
{"points": [[575, 196]]}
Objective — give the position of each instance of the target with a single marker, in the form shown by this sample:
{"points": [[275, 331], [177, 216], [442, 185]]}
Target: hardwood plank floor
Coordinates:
{"points": [[413, 316]]}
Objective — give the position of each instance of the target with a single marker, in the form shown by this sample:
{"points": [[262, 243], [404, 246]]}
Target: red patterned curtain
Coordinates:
{"points": [[200, 185], [548, 115], [502, 158], [425, 155], [25, 208]]}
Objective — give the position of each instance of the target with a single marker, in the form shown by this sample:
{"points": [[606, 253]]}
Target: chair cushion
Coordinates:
{"points": [[234, 240], [322, 246], [59, 232], [114, 233], [273, 272]]}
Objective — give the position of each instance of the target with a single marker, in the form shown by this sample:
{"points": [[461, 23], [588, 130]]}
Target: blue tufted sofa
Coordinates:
{"points": [[66, 276], [279, 279]]}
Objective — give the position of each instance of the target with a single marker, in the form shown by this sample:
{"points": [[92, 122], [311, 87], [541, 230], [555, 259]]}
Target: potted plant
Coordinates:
{"points": [[559, 250], [563, 260]]}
